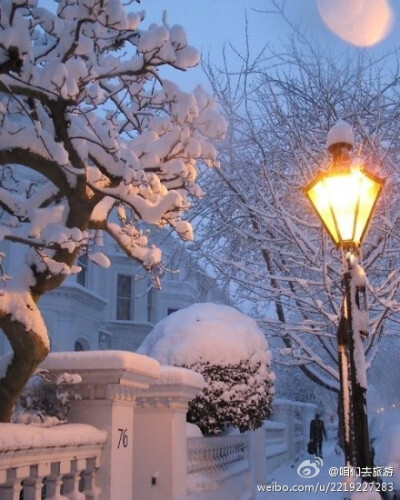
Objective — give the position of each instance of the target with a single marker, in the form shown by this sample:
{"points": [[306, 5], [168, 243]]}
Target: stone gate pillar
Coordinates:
{"points": [[160, 462], [110, 382]]}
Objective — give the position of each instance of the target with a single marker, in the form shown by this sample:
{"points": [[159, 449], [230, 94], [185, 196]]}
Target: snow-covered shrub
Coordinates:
{"points": [[237, 395], [231, 353], [46, 398]]}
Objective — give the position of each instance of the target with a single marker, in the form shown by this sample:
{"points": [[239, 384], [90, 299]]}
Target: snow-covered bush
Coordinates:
{"points": [[231, 353], [237, 395], [46, 398]]}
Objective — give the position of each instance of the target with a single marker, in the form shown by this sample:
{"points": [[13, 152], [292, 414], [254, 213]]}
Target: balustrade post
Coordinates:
{"points": [[12, 489], [72, 480], [54, 481]]}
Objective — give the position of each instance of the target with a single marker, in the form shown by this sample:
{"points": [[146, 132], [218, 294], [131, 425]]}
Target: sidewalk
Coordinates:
{"points": [[287, 476]]}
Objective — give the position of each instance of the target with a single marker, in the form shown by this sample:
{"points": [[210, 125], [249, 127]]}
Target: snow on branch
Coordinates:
{"points": [[84, 105], [258, 230], [93, 138]]}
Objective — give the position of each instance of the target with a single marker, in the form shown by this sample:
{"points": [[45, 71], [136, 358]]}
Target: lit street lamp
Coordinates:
{"points": [[344, 197]]}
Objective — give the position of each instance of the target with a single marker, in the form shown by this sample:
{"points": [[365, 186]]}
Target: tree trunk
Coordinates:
{"points": [[30, 349]]}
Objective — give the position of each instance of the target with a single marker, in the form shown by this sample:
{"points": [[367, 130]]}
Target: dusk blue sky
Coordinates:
{"points": [[212, 23]]}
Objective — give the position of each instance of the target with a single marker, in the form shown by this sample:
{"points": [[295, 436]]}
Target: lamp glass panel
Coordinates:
{"points": [[319, 197], [369, 192], [344, 201]]}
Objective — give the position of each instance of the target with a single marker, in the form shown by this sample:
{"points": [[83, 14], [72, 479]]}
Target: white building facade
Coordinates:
{"points": [[115, 308]]}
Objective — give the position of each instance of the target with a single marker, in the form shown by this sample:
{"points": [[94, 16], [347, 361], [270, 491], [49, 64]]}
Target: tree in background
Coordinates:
{"points": [[259, 231], [114, 145]]}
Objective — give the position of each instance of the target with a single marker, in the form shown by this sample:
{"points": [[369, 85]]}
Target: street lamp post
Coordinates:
{"points": [[344, 197]]}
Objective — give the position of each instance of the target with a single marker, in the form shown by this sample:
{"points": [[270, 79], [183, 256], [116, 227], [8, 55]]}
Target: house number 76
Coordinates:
{"points": [[123, 438]]}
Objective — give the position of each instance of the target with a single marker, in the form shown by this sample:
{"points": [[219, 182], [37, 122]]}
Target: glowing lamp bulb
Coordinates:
{"points": [[344, 200]]}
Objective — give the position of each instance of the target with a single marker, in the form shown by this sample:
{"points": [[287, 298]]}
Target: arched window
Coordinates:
{"points": [[81, 345]]}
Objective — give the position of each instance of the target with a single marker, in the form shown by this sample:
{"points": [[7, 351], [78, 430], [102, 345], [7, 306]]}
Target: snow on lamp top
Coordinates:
{"points": [[340, 133], [345, 195]]}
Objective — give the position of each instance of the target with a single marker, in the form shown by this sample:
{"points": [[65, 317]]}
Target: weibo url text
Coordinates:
{"points": [[325, 487]]}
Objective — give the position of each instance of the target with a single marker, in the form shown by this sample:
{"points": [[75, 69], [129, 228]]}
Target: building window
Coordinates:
{"points": [[171, 310], [82, 275], [124, 297]]}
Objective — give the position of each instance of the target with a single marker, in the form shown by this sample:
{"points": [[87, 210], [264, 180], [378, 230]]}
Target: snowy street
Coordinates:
{"points": [[287, 475]]}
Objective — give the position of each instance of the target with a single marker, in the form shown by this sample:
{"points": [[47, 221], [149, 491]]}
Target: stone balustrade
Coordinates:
{"points": [[127, 439], [56, 463], [222, 456], [218, 467]]}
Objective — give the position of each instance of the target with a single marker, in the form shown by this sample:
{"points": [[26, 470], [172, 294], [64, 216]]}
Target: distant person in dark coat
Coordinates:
{"points": [[317, 434]]}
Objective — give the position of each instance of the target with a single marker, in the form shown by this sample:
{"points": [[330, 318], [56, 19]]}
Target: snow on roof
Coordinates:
{"points": [[21, 437], [91, 360], [213, 332]]}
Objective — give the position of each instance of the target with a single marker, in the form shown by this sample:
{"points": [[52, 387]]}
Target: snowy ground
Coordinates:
{"points": [[287, 475]]}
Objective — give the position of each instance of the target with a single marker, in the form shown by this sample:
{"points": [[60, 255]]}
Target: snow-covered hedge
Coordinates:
{"points": [[231, 353]]}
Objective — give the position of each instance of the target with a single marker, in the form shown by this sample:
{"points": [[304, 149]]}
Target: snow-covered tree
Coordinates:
{"points": [[231, 353], [85, 109], [258, 229]]}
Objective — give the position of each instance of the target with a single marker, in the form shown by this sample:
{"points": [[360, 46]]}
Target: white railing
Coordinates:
{"points": [[56, 463], [230, 466], [276, 445], [213, 460], [223, 455]]}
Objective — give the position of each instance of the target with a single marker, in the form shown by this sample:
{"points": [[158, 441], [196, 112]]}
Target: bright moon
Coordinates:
{"points": [[359, 22]]}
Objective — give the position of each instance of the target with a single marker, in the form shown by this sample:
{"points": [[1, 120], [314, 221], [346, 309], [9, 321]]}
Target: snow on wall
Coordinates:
{"points": [[21, 437], [91, 360]]}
